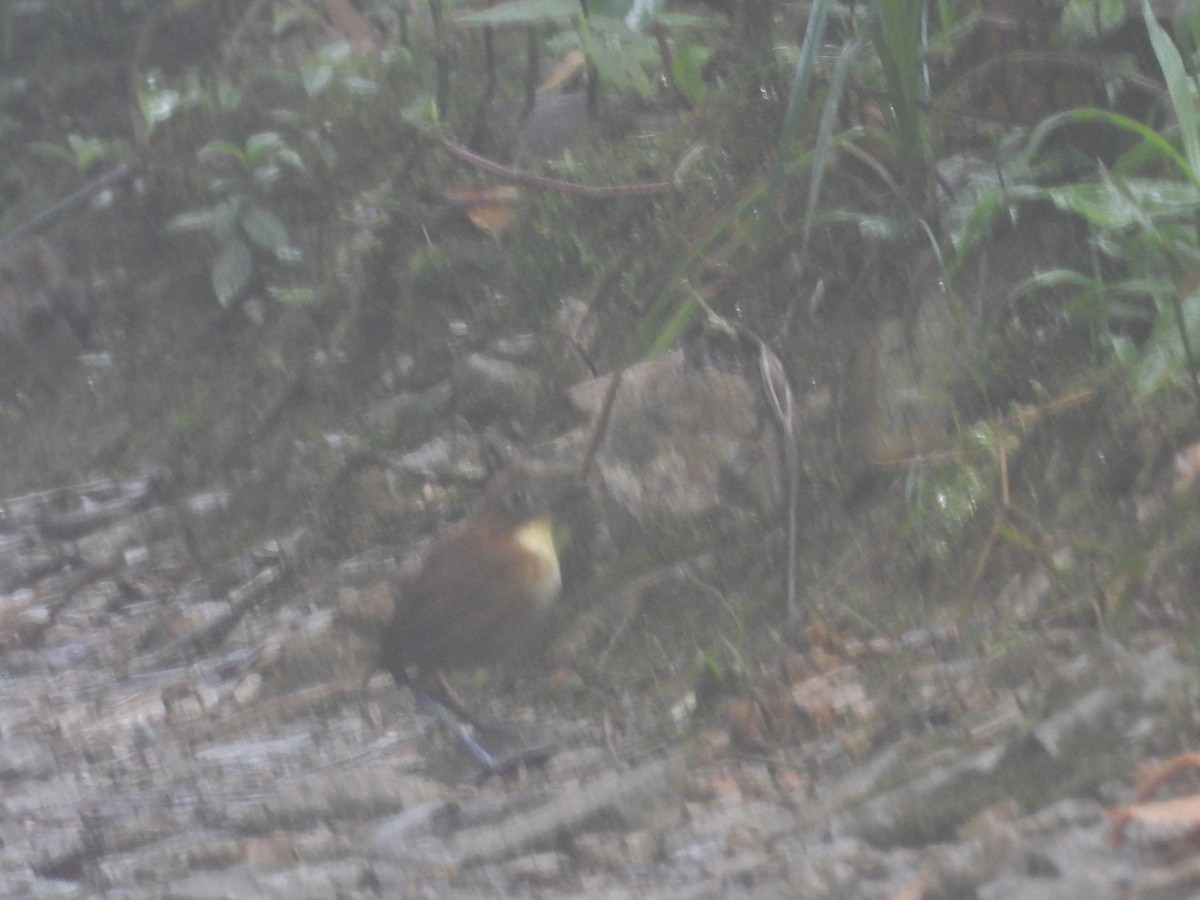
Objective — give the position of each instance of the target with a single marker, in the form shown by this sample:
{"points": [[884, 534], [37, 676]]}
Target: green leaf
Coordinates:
{"points": [[87, 150], [1180, 88], [157, 105], [265, 229], [196, 220], [678, 21], [523, 12], [1163, 358], [613, 50], [421, 113], [263, 146], [48, 150], [617, 10], [821, 148], [214, 151], [225, 217], [316, 77], [1153, 140], [363, 87], [1086, 21], [267, 175], [793, 117], [686, 64], [229, 96], [900, 45], [1106, 207], [231, 271], [290, 158], [296, 296], [640, 12]]}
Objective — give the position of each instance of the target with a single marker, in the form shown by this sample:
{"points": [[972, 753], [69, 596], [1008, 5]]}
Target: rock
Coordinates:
{"points": [[684, 440], [495, 389], [36, 289], [453, 457]]}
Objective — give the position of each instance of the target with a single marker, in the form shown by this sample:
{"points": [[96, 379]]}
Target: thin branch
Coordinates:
{"points": [[639, 189]]}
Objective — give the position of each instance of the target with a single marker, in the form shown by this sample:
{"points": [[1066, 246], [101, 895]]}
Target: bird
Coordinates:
{"points": [[479, 596]]}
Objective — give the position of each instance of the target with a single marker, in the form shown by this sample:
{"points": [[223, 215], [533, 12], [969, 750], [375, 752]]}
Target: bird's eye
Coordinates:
{"points": [[519, 499]]}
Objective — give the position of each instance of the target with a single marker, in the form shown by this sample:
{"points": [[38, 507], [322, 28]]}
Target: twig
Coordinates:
{"points": [[640, 189], [781, 402], [60, 209]]}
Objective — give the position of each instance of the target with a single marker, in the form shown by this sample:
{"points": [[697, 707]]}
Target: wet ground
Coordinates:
{"points": [[167, 736]]}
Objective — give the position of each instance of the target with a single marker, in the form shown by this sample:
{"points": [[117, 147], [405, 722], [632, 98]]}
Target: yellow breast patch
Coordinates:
{"points": [[537, 538]]}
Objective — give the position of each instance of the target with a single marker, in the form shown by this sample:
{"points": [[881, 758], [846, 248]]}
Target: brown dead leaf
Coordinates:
{"points": [[1172, 825], [822, 637], [348, 22], [745, 721], [570, 66], [832, 699], [1187, 466], [489, 209]]}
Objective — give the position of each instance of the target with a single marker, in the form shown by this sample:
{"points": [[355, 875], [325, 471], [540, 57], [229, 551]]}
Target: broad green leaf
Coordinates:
{"points": [[213, 151], [290, 158], [262, 146], [617, 62], [421, 113], [225, 217], [523, 12], [231, 271], [316, 77], [686, 64], [264, 228]]}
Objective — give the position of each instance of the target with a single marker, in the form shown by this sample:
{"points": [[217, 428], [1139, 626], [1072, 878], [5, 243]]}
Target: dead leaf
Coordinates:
{"points": [[347, 21], [489, 209], [1187, 465], [1172, 825], [571, 65]]}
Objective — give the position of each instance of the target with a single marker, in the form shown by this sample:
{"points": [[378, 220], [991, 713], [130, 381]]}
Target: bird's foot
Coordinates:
{"points": [[521, 760], [489, 763]]}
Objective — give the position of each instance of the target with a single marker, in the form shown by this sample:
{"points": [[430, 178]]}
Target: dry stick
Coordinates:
{"points": [[60, 209], [993, 538], [441, 55], [602, 422], [593, 74], [532, 54], [781, 402], [639, 189]]}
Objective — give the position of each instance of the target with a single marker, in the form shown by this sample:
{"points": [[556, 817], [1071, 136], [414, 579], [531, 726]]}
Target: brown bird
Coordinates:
{"points": [[479, 596]]}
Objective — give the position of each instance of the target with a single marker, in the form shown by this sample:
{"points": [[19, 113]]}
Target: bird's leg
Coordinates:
{"points": [[450, 700], [489, 763]]}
